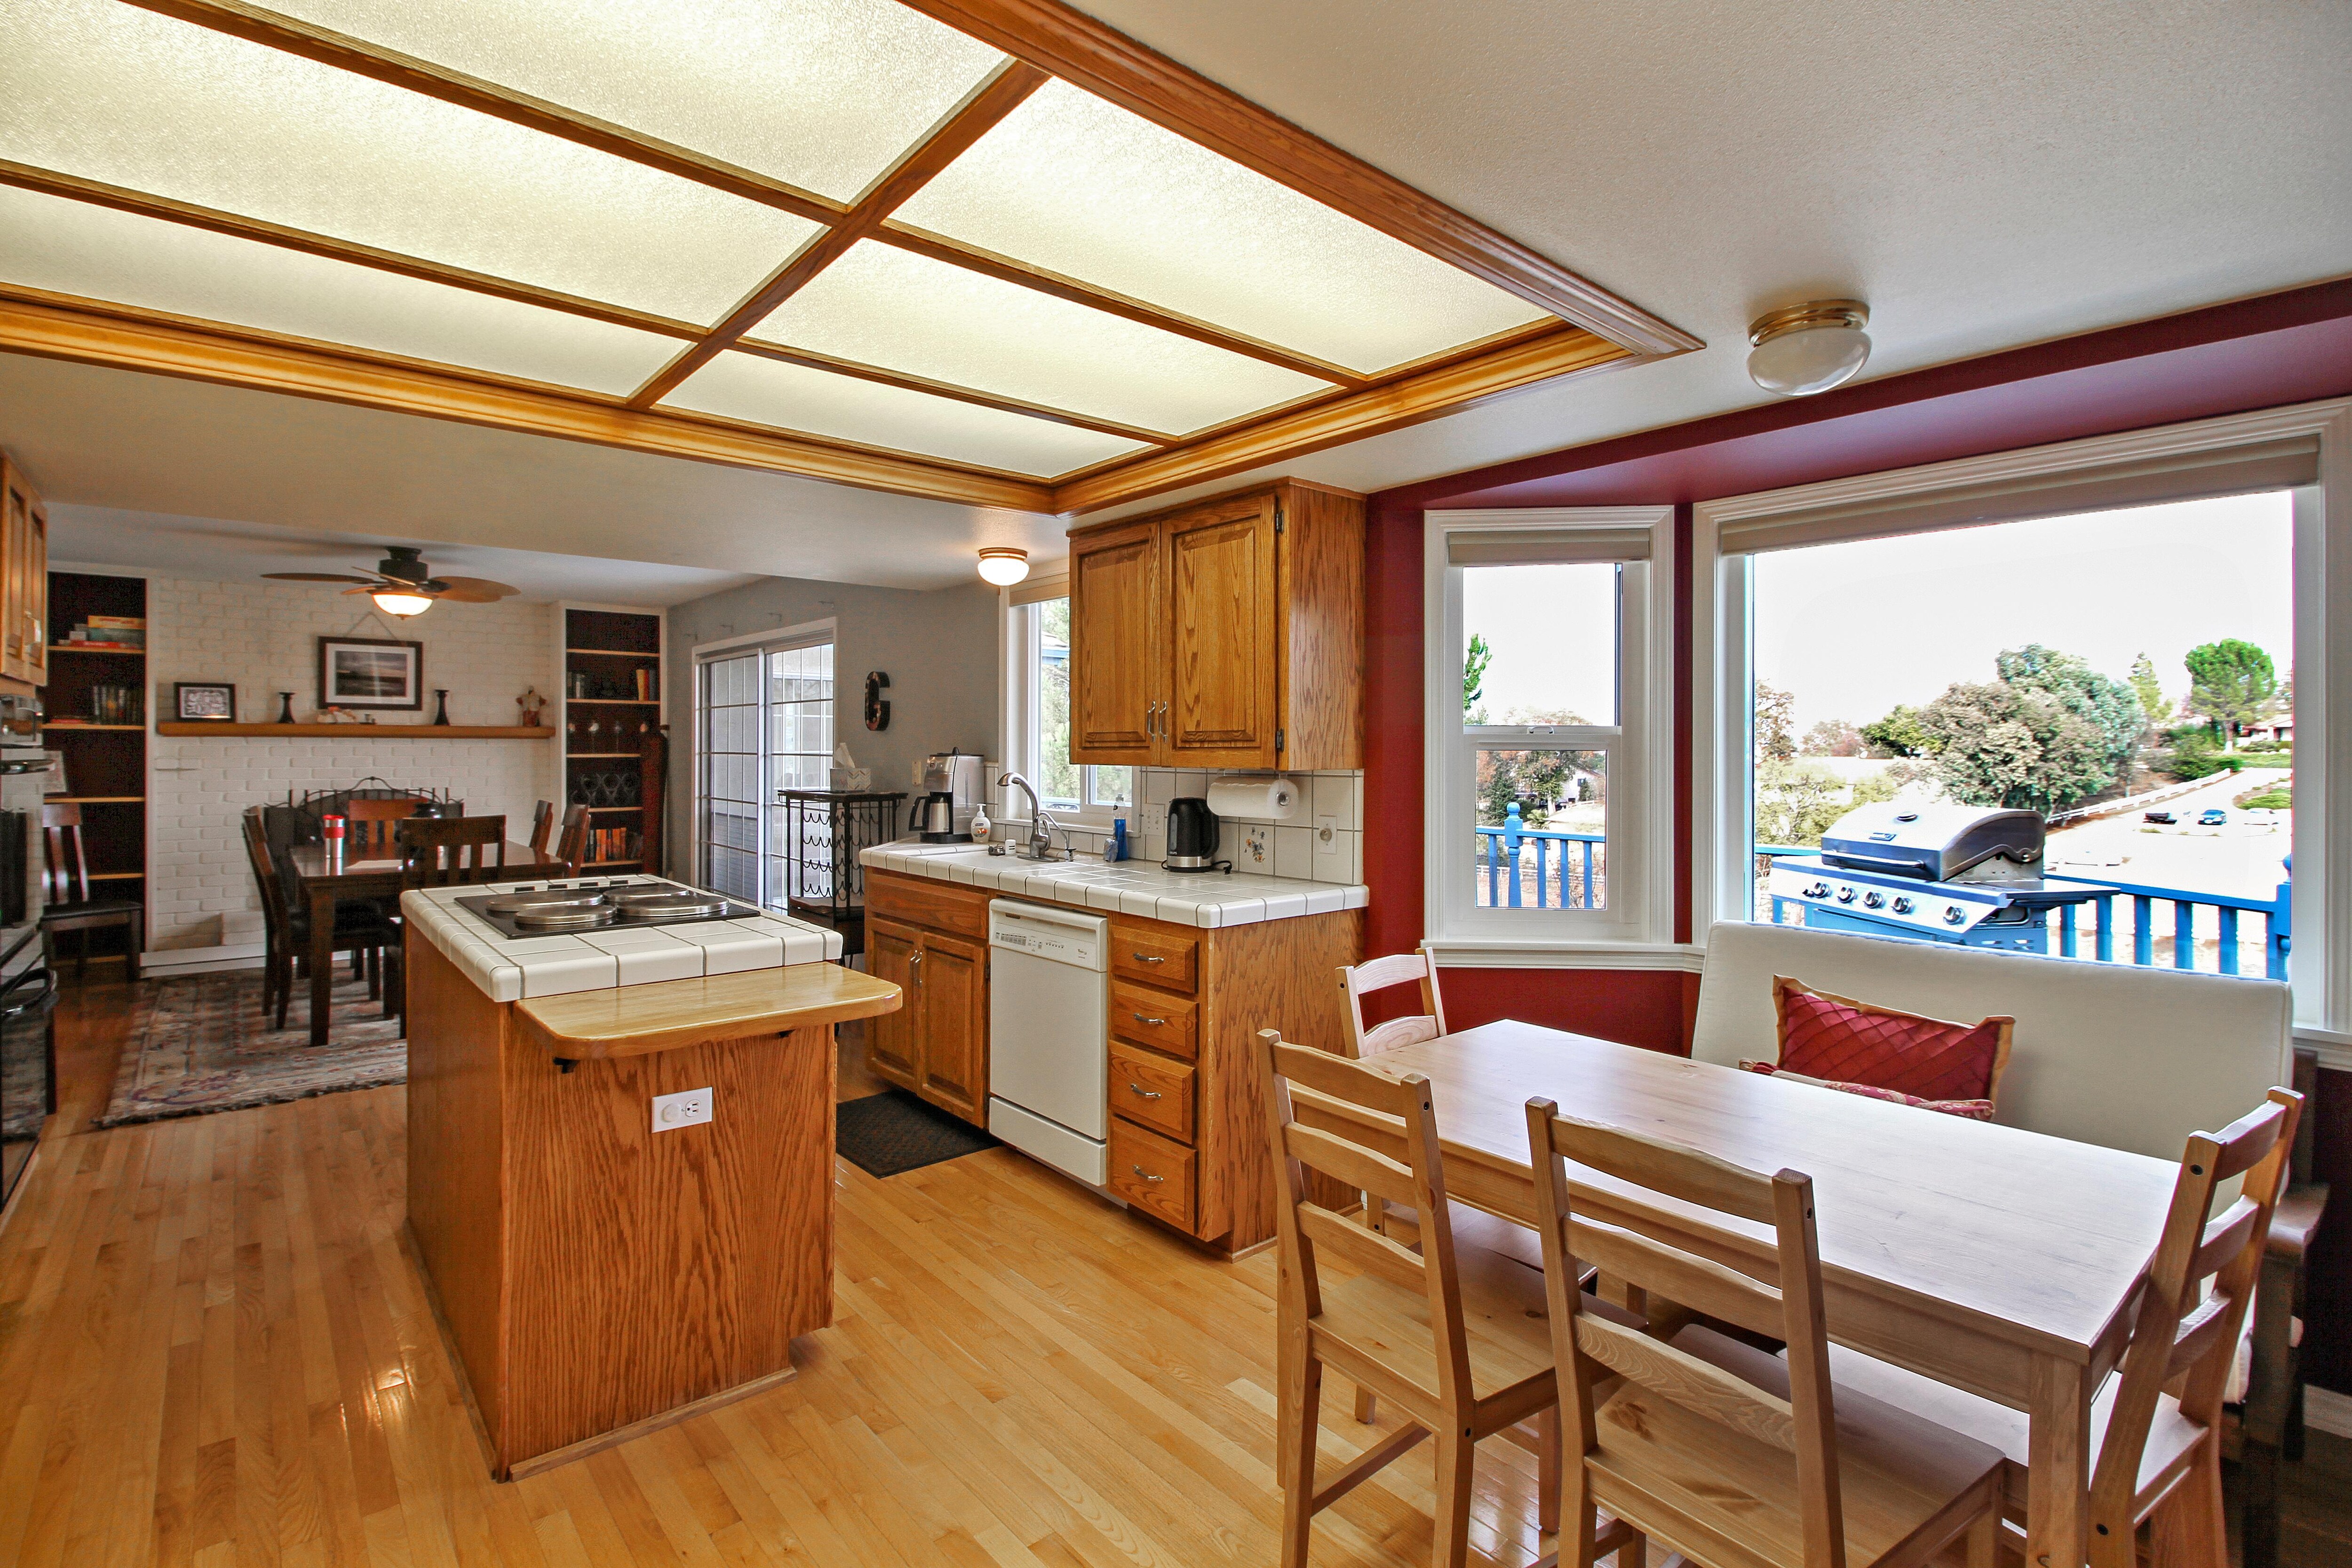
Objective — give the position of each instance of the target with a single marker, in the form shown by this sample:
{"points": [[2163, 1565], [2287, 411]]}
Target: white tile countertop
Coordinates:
{"points": [[509, 968], [1138, 888]]}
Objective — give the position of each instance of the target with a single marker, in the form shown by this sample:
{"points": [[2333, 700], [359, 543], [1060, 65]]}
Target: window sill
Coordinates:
{"points": [[2332, 1047], [1489, 953]]}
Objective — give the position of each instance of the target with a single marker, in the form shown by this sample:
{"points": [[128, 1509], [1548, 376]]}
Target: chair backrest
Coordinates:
{"points": [[542, 823], [572, 845], [1357, 981], [369, 821], [2183, 1331], [266, 879], [65, 876], [437, 852], [1304, 1225], [1780, 1298], [2103, 1053]]}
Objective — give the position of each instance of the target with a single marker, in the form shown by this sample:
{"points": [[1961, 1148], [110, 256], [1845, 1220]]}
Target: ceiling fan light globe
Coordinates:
{"points": [[403, 605]]}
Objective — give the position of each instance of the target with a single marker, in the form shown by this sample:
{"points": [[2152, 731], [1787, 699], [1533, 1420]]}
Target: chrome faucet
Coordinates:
{"points": [[1041, 826]]}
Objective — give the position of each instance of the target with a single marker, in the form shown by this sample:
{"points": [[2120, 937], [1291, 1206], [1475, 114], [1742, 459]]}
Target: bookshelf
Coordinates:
{"points": [[98, 699], [611, 708]]}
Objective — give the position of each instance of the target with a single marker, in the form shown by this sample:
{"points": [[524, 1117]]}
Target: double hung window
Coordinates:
{"points": [[1037, 710]]}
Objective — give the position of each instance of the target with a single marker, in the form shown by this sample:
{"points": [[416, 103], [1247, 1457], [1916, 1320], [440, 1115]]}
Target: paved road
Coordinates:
{"points": [[2242, 859]]}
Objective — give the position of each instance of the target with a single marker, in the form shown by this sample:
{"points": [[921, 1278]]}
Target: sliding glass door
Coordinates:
{"points": [[764, 718]]}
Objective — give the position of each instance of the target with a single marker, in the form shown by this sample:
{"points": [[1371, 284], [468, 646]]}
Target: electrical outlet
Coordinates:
{"points": [[687, 1107], [1155, 818], [1326, 836]]}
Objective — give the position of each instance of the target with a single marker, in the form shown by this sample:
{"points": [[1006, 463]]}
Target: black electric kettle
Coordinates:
{"points": [[1191, 836]]}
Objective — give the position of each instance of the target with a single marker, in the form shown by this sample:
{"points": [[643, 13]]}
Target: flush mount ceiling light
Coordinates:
{"points": [[1004, 565], [1805, 349]]}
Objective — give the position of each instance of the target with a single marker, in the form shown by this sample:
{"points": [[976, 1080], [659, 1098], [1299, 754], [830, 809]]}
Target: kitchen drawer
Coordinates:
{"points": [[1155, 955], [1154, 1018], [1149, 1088], [1152, 1172], [918, 900]]}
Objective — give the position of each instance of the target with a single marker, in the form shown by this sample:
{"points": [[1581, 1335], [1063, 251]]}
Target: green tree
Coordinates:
{"points": [[1900, 733], [1776, 713], [1832, 738], [2231, 682], [2111, 706], [1474, 673], [2147, 689], [2001, 745]]}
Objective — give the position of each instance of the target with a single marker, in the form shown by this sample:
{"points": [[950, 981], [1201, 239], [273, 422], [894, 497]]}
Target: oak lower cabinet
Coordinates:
{"points": [[1188, 1142], [1224, 634], [931, 939]]}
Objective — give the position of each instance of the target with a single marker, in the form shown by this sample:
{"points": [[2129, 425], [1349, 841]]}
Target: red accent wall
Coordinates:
{"points": [[2288, 348]]}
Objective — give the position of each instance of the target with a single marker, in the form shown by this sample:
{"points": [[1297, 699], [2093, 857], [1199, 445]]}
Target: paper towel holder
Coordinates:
{"points": [[1258, 798]]}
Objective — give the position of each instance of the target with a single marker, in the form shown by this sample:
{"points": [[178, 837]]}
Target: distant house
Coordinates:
{"points": [[2280, 729]]}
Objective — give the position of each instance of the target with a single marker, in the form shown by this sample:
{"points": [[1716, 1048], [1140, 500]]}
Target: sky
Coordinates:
{"points": [[1553, 631], [1851, 630]]}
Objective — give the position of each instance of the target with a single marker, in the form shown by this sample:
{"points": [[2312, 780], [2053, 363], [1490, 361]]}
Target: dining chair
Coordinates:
{"points": [[285, 928], [543, 824], [66, 904], [1453, 1333], [369, 823], [571, 844], [2160, 1452], [437, 852], [1708, 1446]]}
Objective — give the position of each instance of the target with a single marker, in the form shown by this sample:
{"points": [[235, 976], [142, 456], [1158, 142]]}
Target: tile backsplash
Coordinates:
{"points": [[1323, 842]]}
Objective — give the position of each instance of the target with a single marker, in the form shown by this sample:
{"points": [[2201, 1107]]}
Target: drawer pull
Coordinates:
{"points": [[1138, 1171], [1146, 1093], [1141, 1019], [1148, 958]]}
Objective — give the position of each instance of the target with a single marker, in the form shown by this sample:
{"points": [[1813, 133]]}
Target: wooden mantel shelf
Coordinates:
{"points": [[372, 731]]}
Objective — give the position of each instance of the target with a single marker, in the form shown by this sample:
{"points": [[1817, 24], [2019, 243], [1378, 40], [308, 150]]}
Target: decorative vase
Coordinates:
{"points": [[440, 705]]}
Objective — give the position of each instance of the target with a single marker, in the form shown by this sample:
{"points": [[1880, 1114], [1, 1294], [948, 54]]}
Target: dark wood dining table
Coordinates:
{"points": [[1988, 1258], [321, 886]]}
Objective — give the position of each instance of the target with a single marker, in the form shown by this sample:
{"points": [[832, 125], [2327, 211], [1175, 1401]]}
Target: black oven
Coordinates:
{"points": [[27, 1069]]}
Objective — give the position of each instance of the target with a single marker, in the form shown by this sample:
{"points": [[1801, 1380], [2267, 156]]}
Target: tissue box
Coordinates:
{"points": [[852, 779]]}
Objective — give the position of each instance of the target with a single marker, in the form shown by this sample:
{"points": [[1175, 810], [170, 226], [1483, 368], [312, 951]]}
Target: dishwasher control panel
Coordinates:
{"points": [[1076, 941]]}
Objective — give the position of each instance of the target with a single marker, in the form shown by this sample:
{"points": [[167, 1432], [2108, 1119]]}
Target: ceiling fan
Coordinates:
{"points": [[403, 585]]}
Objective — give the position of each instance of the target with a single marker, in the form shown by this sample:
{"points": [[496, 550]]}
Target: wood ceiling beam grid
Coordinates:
{"points": [[1105, 62], [863, 372], [1431, 394], [51, 326], [995, 99], [285, 34]]}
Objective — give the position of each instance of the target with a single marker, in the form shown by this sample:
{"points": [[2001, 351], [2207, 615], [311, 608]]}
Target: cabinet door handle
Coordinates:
{"points": [[1138, 1171], [915, 966], [1141, 1019], [1147, 958], [1146, 1093]]}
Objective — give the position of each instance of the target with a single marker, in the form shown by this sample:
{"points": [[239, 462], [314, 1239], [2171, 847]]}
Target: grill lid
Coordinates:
{"points": [[1938, 843]]}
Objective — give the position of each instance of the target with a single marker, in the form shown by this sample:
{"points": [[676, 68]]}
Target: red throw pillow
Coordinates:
{"points": [[1972, 1109], [1841, 1040]]}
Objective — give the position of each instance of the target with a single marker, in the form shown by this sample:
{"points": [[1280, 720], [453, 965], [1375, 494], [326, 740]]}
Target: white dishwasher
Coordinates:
{"points": [[1048, 1063]]}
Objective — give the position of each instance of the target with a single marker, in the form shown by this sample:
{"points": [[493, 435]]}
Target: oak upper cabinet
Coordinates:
{"points": [[1118, 629], [1224, 634], [24, 579]]}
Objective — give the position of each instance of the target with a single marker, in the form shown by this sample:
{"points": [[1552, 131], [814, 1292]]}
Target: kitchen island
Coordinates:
{"points": [[600, 1269]]}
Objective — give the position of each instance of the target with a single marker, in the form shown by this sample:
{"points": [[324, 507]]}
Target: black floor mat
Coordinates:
{"points": [[890, 1133]]}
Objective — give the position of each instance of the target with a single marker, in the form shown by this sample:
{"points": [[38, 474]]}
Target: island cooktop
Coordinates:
{"points": [[553, 908]]}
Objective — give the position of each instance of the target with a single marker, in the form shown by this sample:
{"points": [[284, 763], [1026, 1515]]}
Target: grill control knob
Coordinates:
{"points": [[1818, 890], [1903, 906], [1874, 901], [1845, 895], [1953, 914]]}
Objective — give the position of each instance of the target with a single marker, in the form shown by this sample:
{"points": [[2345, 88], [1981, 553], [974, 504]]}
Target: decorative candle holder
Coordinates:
{"points": [[440, 705], [286, 707]]}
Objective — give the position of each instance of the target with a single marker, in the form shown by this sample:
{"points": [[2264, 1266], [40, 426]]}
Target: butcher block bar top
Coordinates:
{"points": [[633, 1020]]}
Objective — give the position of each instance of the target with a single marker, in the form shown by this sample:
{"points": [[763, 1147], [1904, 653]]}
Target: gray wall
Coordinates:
{"points": [[939, 650]]}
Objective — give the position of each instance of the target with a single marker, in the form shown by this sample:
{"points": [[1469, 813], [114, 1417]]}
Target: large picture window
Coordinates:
{"points": [[763, 722]]}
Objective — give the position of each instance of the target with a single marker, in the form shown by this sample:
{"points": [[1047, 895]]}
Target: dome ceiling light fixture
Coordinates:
{"points": [[1004, 565], [1800, 349]]}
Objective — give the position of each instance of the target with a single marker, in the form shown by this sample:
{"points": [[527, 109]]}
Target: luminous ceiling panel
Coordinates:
{"points": [[1074, 184], [887, 307], [71, 247], [133, 99], [737, 385], [821, 94]]}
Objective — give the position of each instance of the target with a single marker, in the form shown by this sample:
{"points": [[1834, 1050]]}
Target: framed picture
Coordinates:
{"points": [[204, 699], [370, 673]]}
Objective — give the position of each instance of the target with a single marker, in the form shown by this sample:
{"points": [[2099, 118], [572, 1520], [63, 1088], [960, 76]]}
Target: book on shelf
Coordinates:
{"points": [[120, 623]]}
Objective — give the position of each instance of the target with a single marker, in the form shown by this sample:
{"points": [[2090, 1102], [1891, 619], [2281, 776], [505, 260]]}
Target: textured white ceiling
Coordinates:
{"points": [[1984, 175]]}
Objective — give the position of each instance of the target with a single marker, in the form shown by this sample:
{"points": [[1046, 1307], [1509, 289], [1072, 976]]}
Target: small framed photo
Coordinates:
{"points": [[370, 673], [207, 700]]}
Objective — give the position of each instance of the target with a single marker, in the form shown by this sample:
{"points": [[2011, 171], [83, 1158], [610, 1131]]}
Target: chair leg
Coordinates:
{"points": [[373, 959], [1984, 1537], [1301, 1401], [287, 965], [1547, 1473], [2190, 1529], [2258, 1517], [1450, 1528], [1367, 1404], [131, 951]]}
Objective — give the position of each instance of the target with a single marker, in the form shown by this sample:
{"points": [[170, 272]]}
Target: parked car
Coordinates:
{"points": [[2163, 816], [2211, 816]]}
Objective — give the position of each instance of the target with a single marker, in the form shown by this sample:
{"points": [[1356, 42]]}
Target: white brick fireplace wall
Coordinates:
{"points": [[264, 636]]}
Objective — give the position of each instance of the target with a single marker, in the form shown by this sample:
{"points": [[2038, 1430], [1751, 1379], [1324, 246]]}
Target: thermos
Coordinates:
{"points": [[330, 828]]}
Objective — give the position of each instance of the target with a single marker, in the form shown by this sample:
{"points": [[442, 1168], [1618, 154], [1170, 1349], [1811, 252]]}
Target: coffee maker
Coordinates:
{"points": [[952, 783]]}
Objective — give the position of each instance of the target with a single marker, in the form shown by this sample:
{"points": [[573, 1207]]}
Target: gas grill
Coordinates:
{"points": [[1958, 874]]}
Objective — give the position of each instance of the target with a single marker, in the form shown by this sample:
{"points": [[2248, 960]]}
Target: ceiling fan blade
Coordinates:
{"points": [[316, 577], [467, 596], [475, 590]]}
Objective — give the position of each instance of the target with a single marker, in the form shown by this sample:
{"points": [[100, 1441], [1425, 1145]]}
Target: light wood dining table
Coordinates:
{"points": [[1993, 1259]]}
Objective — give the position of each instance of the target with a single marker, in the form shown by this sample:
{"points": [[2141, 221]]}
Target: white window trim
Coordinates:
{"points": [[1636, 932], [807, 634], [2318, 965], [1017, 700]]}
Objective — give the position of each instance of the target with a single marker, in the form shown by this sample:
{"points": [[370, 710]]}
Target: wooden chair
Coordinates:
{"points": [[435, 852], [285, 936], [571, 844], [2158, 1453], [370, 823], [1712, 1447], [66, 904], [543, 824], [1456, 1335]]}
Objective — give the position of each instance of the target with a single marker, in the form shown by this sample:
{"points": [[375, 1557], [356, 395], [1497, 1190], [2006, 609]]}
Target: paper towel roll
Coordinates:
{"points": [[1262, 800]]}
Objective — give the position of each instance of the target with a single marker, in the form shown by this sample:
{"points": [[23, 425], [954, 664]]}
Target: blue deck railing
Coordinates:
{"points": [[2202, 925], [1534, 867]]}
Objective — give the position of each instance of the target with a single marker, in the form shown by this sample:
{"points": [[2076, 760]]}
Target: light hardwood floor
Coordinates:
{"points": [[215, 1350]]}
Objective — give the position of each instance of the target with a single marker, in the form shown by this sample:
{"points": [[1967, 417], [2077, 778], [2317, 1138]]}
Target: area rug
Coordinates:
{"points": [[890, 1134], [199, 1044]]}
